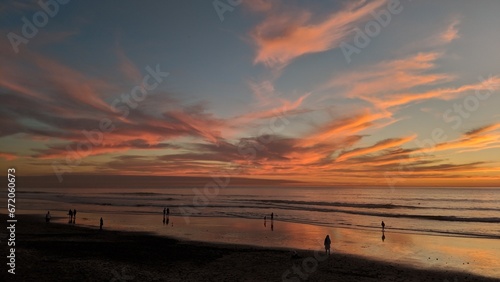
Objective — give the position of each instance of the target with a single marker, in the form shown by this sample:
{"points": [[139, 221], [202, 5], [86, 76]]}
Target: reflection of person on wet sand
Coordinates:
{"points": [[383, 236], [272, 225], [74, 215], [101, 223], [328, 242]]}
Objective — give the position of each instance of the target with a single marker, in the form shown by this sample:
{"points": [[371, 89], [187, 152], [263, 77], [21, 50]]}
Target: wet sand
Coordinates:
{"points": [[64, 252]]}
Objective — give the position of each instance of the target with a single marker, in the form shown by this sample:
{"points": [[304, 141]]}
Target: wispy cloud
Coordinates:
{"points": [[289, 32]]}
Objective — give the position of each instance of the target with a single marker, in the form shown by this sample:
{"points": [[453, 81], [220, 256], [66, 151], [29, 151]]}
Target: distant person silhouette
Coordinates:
{"points": [[101, 223], [383, 225], [327, 243], [168, 211], [74, 215], [70, 213], [47, 217], [272, 216], [164, 211]]}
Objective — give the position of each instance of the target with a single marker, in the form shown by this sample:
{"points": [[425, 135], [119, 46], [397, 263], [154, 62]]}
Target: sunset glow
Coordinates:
{"points": [[267, 91]]}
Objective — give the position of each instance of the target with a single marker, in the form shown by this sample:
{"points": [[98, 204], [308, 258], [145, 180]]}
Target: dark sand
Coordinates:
{"points": [[64, 252]]}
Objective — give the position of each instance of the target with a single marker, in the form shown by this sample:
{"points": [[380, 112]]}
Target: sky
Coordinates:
{"points": [[337, 93]]}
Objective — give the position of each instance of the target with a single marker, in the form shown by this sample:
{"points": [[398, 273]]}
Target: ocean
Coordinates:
{"points": [[473, 212]]}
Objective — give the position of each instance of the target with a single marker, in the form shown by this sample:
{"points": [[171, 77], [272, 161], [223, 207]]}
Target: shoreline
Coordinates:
{"points": [[57, 251]]}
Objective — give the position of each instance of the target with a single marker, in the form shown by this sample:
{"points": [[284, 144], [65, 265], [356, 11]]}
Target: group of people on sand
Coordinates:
{"points": [[72, 216]]}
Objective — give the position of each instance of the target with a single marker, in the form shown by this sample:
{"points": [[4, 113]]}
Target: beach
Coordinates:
{"points": [[67, 252]]}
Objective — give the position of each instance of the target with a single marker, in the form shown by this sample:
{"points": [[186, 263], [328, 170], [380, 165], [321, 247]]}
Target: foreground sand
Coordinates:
{"points": [[63, 252]]}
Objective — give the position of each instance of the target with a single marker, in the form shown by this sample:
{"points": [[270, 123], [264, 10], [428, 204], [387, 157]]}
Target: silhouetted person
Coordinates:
{"points": [[70, 213], [272, 216], [168, 211], [328, 242], [101, 223], [47, 217], [383, 225], [74, 215], [164, 211]]}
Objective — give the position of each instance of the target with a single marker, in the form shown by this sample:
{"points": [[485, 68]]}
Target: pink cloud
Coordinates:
{"points": [[287, 33]]}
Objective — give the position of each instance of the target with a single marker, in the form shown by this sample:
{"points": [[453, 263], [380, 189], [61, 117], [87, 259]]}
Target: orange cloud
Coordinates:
{"points": [[344, 127], [451, 33], [286, 33], [391, 84], [380, 146], [8, 156]]}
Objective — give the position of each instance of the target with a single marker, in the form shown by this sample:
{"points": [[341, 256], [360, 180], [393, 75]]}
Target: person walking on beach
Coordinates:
{"points": [[383, 225], [101, 224], [328, 242], [164, 214], [74, 215], [47, 217]]}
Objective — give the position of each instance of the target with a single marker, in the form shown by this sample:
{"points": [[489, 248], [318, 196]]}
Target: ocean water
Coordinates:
{"points": [[472, 212]]}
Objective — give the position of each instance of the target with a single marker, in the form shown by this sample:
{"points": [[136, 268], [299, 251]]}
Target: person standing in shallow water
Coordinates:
{"points": [[101, 223], [328, 242]]}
